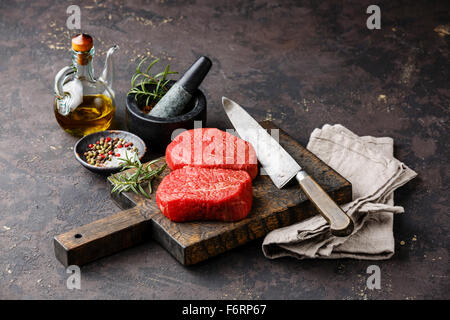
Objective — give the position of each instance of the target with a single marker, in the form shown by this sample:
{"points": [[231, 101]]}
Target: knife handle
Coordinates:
{"points": [[340, 223]]}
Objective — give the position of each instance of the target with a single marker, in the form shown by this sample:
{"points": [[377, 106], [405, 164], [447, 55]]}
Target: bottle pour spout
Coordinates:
{"points": [[108, 70]]}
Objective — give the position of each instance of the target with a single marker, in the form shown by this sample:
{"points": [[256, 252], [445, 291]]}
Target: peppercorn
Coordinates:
{"points": [[105, 149]]}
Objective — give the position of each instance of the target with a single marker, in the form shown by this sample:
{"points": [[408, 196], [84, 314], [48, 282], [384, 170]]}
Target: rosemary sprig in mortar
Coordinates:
{"points": [[160, 80], [132, 181]]}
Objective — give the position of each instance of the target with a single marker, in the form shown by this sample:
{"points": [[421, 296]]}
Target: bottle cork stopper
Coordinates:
{"points": [[82, 42]]}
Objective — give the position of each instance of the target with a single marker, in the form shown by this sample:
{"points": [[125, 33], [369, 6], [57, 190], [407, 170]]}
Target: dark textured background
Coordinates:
{"points": [[300, 63]]}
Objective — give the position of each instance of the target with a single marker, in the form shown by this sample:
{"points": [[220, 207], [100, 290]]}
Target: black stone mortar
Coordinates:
{"points": [[157, 132]]}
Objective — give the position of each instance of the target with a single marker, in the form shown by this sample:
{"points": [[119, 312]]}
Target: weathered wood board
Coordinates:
{"points": [[192, 242]]}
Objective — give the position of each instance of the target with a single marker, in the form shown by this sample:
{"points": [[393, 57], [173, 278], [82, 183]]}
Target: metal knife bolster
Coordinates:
{"points": [[301, 175]]}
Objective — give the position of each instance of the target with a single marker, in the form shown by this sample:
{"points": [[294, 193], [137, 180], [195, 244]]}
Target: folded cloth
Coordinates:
{"points": [[369, 165]]}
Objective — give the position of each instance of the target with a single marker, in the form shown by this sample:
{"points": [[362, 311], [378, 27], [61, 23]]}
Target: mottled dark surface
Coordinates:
{"points": [[300, 63]]}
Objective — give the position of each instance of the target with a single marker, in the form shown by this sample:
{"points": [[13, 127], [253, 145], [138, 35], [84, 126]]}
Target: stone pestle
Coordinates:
{"points": [[174, 101]]}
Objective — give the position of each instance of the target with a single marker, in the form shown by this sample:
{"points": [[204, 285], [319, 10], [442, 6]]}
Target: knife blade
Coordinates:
{"points": [[281, 167]]}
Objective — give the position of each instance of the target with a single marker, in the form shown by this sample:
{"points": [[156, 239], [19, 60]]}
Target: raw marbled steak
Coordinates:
{"points": [[193, 193], [211, 148]]}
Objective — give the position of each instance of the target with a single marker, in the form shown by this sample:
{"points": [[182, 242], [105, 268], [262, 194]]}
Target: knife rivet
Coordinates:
{"points": [[78, 236]]}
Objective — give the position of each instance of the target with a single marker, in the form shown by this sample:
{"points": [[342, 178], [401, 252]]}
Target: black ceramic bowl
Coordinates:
{"points": [[82, 145], [157, 132]]}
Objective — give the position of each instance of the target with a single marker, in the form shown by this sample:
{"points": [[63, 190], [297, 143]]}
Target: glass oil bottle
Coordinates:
{"points": [[84, 104]]}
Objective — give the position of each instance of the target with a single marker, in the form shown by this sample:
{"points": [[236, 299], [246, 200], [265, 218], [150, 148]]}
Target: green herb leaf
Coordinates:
{"points": [[151, 65], [138, 69], [133, 181], [140, 79], [143, 191]]}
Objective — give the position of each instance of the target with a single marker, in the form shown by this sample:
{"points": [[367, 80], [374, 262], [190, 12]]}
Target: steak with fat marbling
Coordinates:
{"points": [[193, 193], [211, 148]]}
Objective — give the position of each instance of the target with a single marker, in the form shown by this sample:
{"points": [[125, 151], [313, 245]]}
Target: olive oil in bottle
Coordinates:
{"points": [[84, 104], [94, 114]]}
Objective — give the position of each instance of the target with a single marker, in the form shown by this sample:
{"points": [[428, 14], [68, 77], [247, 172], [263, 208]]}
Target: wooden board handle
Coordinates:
{"points": [[102, 237], [340, 223]]}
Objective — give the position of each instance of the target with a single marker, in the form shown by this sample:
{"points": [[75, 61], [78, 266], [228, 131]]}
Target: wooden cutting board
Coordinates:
{"points": [[192, 242]]}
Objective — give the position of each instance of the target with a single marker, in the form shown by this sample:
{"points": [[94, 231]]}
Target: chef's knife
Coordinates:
{"points": [[281, 167]]}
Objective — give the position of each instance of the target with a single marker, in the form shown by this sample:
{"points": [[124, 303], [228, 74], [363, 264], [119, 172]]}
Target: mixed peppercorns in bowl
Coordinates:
{"points": [[103, 151]]}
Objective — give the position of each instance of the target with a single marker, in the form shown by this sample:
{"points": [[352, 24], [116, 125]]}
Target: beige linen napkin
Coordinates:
{"points": [[368, 163]]}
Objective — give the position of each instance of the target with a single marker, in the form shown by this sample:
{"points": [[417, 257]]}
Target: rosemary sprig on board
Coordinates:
{"points": [[160, 80], [133, 181]]}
